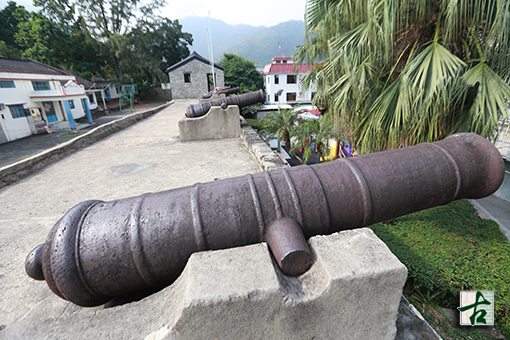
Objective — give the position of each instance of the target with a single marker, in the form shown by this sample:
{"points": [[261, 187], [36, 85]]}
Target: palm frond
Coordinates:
{"points": [[490, 101]]}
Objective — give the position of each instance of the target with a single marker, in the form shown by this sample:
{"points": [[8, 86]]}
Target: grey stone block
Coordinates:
{"points": [[216, 124], [352, 291], [411, 325]]}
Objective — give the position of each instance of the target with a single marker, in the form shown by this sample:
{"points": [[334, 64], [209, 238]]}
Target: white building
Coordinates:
{"points": [[280, 77], [34, 95]]}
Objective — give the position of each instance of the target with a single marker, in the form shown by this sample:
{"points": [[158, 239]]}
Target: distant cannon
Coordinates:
{"points": [[100, 250], [224, 90], [240, 100]]}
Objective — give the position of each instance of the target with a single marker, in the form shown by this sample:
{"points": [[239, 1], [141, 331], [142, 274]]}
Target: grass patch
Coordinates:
{"points": [[448, 249]]}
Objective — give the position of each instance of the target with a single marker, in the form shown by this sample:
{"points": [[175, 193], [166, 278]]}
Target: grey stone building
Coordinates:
{"points": [[192, 77]]}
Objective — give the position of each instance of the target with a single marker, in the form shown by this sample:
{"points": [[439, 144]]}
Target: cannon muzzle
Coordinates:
{"points": [[240, 100], [100, 250]]}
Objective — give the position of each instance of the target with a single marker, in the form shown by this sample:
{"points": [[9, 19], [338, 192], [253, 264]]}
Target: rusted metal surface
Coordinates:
{"points": [[288, 245], [240, 100], [225, 90], [100, 250]]}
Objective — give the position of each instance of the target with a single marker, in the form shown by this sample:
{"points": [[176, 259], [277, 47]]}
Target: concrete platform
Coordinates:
{"points": [[352, 291], [218, 123]]}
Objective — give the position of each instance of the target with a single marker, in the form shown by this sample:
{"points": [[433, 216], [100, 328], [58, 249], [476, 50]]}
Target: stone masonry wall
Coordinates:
{"points": [[198, 85]]}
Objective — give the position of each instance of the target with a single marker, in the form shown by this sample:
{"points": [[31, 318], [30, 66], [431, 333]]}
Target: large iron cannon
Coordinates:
{"points": [[99, 250], [240, 100]]}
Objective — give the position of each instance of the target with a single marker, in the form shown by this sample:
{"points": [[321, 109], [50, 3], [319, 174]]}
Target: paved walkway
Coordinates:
{"points": [[496, 209], [23, 148], [146, 157]]}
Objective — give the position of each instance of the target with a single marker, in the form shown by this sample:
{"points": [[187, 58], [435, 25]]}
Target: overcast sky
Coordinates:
{"points": [[255, 12]]}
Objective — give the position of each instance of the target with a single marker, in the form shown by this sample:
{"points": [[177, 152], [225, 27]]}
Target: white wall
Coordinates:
{"points": [[272, 89], [23, 94]]}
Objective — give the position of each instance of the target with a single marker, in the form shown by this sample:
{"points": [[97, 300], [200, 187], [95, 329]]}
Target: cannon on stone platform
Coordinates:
{"points": [[100, 250], [240, 100]]}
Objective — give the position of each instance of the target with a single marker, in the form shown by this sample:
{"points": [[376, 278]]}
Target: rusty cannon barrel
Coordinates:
{"points": [[240, 100], [228, 90], [100, 250], [225, 90]]}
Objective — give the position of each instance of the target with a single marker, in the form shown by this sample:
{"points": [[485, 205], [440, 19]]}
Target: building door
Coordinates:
{"points": [[210, 82], [49, 110]]}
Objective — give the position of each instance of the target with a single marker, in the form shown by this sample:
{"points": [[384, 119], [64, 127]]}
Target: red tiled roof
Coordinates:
{"points": [[286, 68]]}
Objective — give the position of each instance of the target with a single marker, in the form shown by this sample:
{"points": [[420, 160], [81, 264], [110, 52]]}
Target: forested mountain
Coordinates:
{"points": [[256, 43]]}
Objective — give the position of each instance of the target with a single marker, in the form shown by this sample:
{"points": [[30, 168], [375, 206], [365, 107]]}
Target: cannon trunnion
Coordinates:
{"points": [[100, 250]]}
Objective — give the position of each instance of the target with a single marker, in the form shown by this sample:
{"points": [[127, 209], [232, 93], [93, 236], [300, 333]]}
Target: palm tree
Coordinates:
{"points": [[280, 124], [410, 71], [313, 131]]}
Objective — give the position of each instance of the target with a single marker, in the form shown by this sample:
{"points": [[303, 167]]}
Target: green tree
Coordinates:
{"points": [[151, 48], [405, 72], [10, 17], [111, 21], [69, 48], [241, 72], [312, 135]]}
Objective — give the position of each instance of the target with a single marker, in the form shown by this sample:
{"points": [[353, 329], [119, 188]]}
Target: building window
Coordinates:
{"points": [[71, 104], [276, 97], [41, 85], [276, 80], [291, 96], [268, 98], [291, 78], [187, 77], [313, 94], [6, 84], [63, 82], [17, 111], [268, 78]]}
